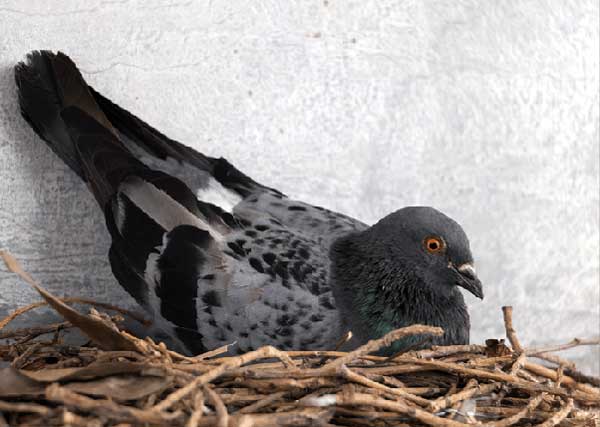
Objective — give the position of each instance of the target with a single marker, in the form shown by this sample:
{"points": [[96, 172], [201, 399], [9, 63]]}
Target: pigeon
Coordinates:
{"points": [[216, 257]]}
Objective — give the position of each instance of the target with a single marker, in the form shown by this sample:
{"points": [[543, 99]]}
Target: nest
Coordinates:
{"points": [[120, 380]]}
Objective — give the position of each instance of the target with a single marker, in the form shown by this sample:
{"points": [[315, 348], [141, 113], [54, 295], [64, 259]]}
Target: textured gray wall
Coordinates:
{"points": [[486, 110]]}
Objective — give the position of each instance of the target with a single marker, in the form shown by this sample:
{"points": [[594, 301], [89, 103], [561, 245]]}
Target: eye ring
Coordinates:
{"points": [[434, 244]]}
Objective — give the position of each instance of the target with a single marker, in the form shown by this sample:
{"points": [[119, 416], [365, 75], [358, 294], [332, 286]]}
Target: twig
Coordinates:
{"points": [[385, 341], [212, 353], [107, 408], [419, 414], [198, 410], [575, 342], [554, 359], [261, 353], [353, 376], [472, 389], [221, 410], [559, 416], [553, 375], [475, 373], [442, 351], [19, 361], [34, 331], [510, 331], [518, 363], [513, 419], [419, 344], [259, 404], [581, 377], [72, 300], [303, 417], [73, 420], [560, 374], [24, 407]]}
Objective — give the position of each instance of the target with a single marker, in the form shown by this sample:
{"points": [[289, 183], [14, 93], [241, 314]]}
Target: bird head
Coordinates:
{"points": [[434, 246]]}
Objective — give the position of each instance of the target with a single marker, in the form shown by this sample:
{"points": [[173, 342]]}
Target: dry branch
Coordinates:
{"points": [[510, 330]]}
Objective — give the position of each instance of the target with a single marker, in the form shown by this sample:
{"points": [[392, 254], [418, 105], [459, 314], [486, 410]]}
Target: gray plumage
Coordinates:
{"points": [[218, 258]]}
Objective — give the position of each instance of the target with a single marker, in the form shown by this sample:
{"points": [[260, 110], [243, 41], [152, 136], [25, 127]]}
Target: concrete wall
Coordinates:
{"points": [[486, 110]]}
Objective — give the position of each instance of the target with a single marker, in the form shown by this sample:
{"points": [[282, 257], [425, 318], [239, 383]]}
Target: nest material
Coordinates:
{"points": [[121, 380]]}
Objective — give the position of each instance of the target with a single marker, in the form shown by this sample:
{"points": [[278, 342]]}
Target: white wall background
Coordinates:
{"points": [[486, 110]]}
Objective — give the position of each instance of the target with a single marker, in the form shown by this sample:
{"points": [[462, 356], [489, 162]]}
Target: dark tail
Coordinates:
{"points": [[158, 145], [148, 138], [58, 105]]}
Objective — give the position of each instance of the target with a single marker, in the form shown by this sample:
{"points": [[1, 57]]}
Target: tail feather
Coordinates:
{"points": [[57, 103], [148, 138], [104, 161], [41, 105], [160, 146]]}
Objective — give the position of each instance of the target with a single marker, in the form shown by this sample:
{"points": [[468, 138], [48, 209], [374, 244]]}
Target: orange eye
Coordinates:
{"points": [[434, 245]]}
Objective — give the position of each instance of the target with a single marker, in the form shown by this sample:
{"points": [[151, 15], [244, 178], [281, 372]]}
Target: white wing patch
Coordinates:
{"points": [[162, 208], [218, 195]]}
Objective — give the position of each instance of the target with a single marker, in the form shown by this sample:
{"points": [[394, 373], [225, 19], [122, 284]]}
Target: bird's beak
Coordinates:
{"points": [[467, 279]]}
